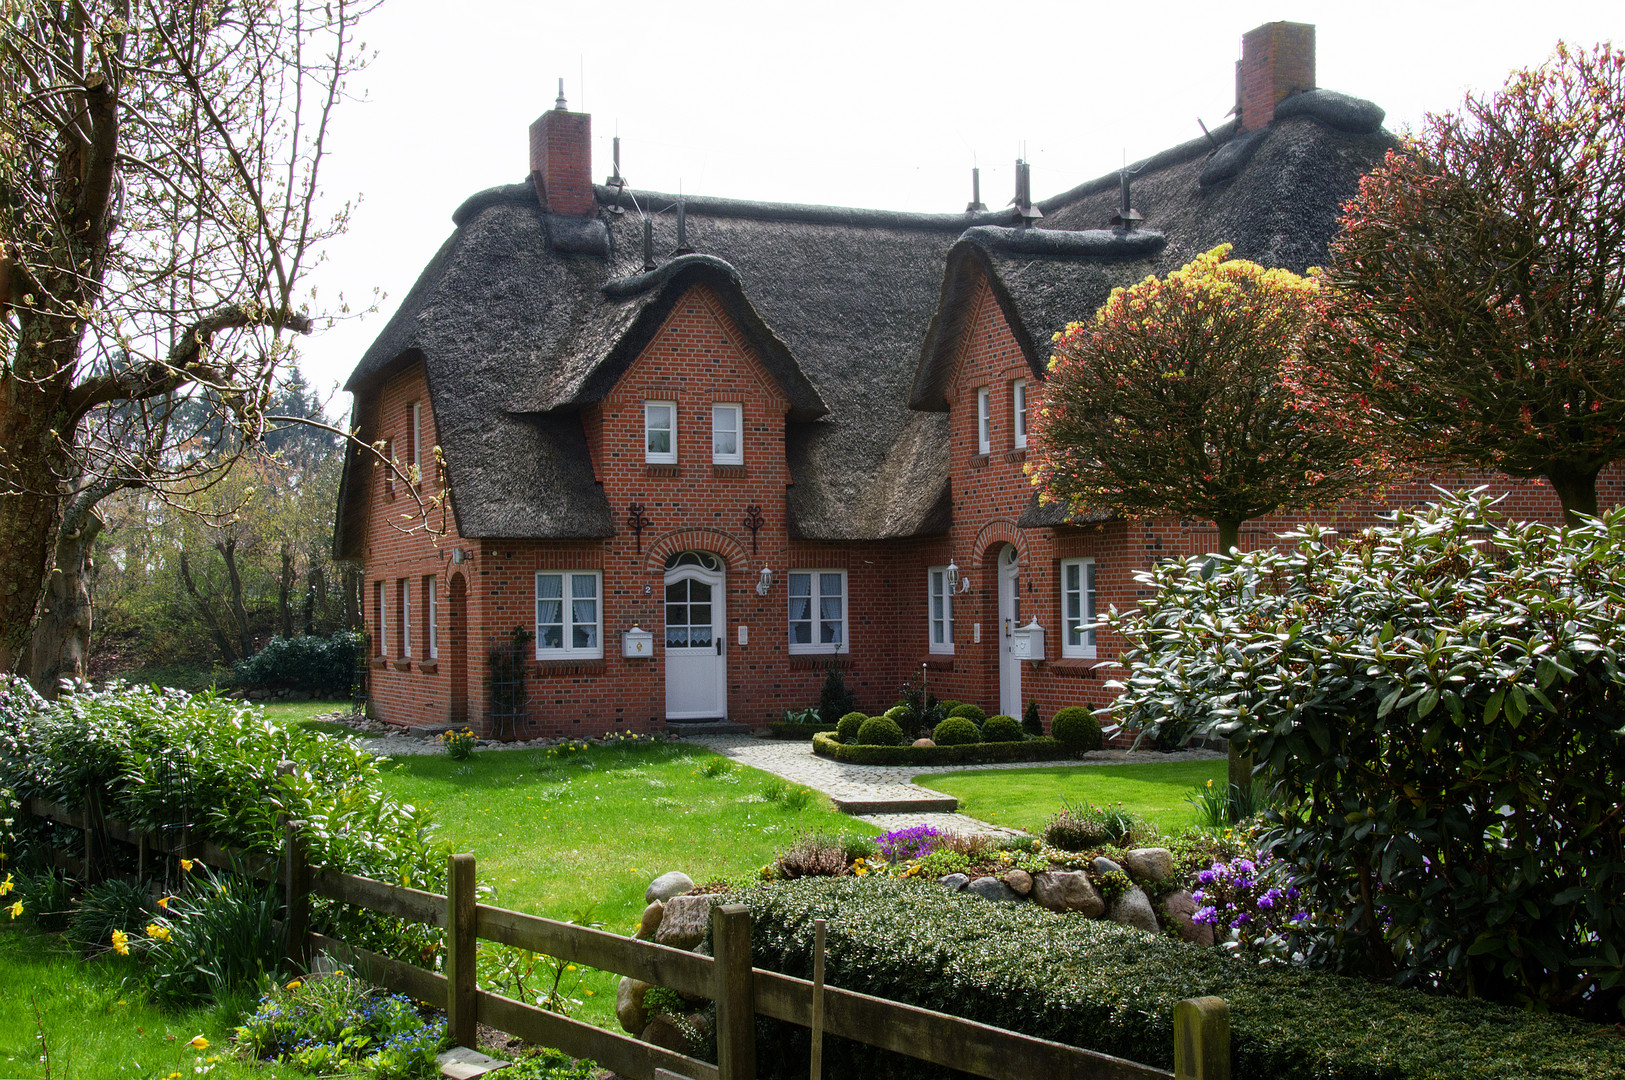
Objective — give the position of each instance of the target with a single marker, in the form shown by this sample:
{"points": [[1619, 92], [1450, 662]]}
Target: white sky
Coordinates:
{"points": [[877, 104]]}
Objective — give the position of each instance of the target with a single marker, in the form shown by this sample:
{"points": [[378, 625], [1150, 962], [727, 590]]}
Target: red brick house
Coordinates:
{"points": [[783, 437]]}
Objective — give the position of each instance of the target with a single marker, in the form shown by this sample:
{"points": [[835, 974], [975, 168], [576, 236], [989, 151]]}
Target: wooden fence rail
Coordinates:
{"points": [[741, 991]]}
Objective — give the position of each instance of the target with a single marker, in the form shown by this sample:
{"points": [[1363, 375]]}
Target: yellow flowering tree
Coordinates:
{"points": [[1177, 398]]}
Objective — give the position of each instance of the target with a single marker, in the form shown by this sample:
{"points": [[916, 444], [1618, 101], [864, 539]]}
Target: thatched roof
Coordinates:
{"points": [[523, 317]]}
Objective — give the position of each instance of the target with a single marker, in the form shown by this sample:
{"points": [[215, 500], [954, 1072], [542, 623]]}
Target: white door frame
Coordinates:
{"points": [[697, 678], [1008, 569]]}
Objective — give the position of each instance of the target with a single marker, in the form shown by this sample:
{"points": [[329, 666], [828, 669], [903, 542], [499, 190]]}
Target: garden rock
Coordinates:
{"points": [[1149, 863], [1104, 866], [684, 923], [1068, 890], [1020, 881], [924, 742], [991, 888], [1133, 908], [667, 886], [664, 1032], [650, 921], [1181, 908], [629, 1008], [956, 882]]}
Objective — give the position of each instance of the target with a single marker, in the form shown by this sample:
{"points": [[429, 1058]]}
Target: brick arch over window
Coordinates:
{"points": [[994, 535], [731, 550]]}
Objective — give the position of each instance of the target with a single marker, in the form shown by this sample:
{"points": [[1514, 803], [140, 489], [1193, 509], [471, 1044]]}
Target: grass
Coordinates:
{"points": [[300, 712], [98, 1022], [1028, 798]]}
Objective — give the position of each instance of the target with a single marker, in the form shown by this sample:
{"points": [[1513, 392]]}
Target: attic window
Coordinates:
{"points": [[727, 438], [660, 432], [983, 420], [1018, 409], [417, 440]]}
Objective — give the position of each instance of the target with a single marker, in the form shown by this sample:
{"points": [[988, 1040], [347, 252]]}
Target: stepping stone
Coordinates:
{"points": [[461, 1063], [920, 804]]}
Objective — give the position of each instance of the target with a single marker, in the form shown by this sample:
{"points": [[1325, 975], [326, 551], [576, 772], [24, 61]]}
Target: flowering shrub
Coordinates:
{"points": [[909, 843], [1247, 899], [337, 1024]]}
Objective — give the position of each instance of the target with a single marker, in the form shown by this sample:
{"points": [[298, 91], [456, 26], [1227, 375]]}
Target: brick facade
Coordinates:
{"points": [[1277, 59]]}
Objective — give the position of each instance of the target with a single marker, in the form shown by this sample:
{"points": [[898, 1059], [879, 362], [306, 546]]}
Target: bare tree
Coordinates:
{"points": [[159, 170]]}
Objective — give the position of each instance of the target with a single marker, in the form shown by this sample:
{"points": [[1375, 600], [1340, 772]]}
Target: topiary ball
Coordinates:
{"points": [[973, 713], [1076, 728], [956, 731], [948, 705], [847, 729], [1002, 728], [896, 711], [880, 731]]}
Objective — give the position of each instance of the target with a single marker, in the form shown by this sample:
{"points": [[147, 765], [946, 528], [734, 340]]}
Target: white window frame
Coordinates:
{"points": [[403, 587], [655, 457], [984, 418], [431, 590], [1084, 645], [417, 438], [568, 650], [737, 411], [816, 598], [380, 616], [1018, 412], [936, 588]]}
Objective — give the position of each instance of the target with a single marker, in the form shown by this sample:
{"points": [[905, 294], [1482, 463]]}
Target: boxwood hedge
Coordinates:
{"points": [[1113, 989], [975, 753]]}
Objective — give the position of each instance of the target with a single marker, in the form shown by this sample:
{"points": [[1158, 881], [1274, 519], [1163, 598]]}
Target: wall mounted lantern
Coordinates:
{"points": [[957, 582], [764, 581]]}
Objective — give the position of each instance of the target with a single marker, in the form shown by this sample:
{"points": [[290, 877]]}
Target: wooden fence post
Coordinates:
{"points": [[295, 886], [460, 1001], [1202, 1039], [735, 993]]}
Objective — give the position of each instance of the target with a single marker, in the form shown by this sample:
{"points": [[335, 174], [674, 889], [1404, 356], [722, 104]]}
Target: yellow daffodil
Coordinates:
{"points": [[186, 864], [199, 1043], [5, 886], [121, 943], [158, 931], [163, 902], [294, 985], [16, 909]]}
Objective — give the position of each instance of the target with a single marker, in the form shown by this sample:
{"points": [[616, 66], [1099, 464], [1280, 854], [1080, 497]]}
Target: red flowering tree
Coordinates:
{"points": [[1175, 399], [1474, 297]]}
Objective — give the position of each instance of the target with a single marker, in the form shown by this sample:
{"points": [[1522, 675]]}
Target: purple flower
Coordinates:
{"points": [[1199, 895], [1239, 921], [1208, 915], [1292, 893], [909, 843], [1302, 916], [1205, 877], [1268, 900], [1245, 866]]}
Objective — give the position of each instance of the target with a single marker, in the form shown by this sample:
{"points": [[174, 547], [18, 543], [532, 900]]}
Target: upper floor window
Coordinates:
{"points": [[431, 632], [660, 432], [417, 440], [818, 611], [983, 420], [388, 465], [1018, 411], [1078, 607], [380, 625], [403, 615], [569, 618], [727, 435], [939, 611]]}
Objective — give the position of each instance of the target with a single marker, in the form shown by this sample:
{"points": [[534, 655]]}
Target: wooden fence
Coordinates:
{"points": [[741, 991]]}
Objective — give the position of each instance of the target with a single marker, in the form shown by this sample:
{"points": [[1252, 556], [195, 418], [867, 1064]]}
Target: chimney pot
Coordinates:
{"points": [[1277, 60]]}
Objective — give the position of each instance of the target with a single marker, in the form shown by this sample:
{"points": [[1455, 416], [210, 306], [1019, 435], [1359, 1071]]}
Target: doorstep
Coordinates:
{"points": [[922, 804]]}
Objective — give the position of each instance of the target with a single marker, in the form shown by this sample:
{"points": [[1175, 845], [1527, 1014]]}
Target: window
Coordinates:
{"points": [[417, 440], [568, 616], [403, 615], [727, 436], [660, 432], [1018, 410], [1078, 607], [431, 604], [940, 611], [380, 627], [389, 468], [982, 420], [818, 611]]}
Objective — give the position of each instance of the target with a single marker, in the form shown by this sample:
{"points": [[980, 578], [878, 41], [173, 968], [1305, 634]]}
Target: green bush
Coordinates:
{"points": [[1002, 728], [1112, 989], [218, 936], [956, 731], [1076, 728], [880, 731], [948, 705], [976, 753], [972, 712], [1083, 828], [847, 732], [1031, 722], [459, 744], [1440, 700], [835, 700], [316, 1022], [323, 666], [107, 906]]}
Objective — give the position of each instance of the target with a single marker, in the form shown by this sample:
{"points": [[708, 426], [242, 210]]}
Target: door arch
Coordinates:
{"points": [[696, 621]]}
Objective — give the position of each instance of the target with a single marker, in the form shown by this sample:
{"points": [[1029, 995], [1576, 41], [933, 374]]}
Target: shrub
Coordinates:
{"points": [[218, 936], [948, 705], [323, 666], [973, 713], [956, 731], [1082, 828], [1031, 722], [814, 855], [835, 700], [459, 744], [108, 906], [1045, 749], [316, 1022], [1002, 728], [850, 723], [1440, 701], [1076, 728], [46, 896], [1227, 805], [880, 731]]}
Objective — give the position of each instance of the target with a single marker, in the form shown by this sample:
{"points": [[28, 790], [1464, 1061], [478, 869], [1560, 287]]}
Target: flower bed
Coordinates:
{"points": [[1044, 749]]}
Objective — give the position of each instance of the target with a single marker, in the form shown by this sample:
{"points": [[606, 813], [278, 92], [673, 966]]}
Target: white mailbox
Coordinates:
{"points": [[637, 642], [1027, 642]]}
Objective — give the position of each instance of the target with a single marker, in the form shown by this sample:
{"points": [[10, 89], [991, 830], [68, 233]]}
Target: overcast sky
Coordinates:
{"points": [[875, 104]]}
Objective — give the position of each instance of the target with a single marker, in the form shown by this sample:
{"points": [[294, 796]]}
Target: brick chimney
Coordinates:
{"points": [[1277, 60], [561, 159]]}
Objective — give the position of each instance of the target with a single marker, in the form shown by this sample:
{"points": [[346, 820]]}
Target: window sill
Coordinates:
{"points": [[1079, 667], [593, 665], [662, 470], [719, 470], [938, 662], [820, 661], [429, 667], [979, 461], [1017, 455], [401, 665]]}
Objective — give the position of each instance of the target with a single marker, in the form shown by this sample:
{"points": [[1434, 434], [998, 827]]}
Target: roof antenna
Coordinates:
{"points": [[649, 244], [1023, 202], [682, 228], [976, 205], [561, 105], [616, 180], [1126, 215]]}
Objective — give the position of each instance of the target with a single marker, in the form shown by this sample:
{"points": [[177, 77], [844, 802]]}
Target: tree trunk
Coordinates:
{"points": [[1229, 534], [285, 591], [1577, 491], [30, 508], [206, 609], [60, 647], [239, 610], [318, 580]]}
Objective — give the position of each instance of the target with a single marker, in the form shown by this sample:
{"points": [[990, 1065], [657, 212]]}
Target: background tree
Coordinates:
{"points": [[1175, 400], [1475, 294], [158, 171]]}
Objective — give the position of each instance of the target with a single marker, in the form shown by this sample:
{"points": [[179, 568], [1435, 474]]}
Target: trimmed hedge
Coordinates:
{"points": [[847, 730], [973, 712], [1002, 728], [1076, 727], [792, 729], [974, 754], [880, 731], [956, 731], [1113, 989]]}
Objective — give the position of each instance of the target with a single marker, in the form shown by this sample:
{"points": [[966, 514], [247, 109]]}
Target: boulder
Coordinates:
{"points": [[629, 1008], [650, 921], [991, 888], [1019, 881], [1181, 908], [956, 882], [684, 922], [667, 886], [1103, 866], [664, 1032], [924, 742], [1133, 908], [1068, 890], [1149, 863]]}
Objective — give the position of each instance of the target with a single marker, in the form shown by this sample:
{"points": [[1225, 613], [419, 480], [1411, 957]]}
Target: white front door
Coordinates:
{"points": [[696, 652], [1009, 618]]}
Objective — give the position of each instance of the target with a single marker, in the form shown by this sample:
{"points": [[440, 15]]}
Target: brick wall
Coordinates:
{"points": [[1277, 59], [561, 161]]}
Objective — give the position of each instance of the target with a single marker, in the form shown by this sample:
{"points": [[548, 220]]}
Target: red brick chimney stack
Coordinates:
{"points": [[1277, 60], [561, 159]]}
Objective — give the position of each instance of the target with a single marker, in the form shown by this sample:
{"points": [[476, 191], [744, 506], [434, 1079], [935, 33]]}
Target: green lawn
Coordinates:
{"points": [[300, 712], [1028, 798], [98, 1023]]}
